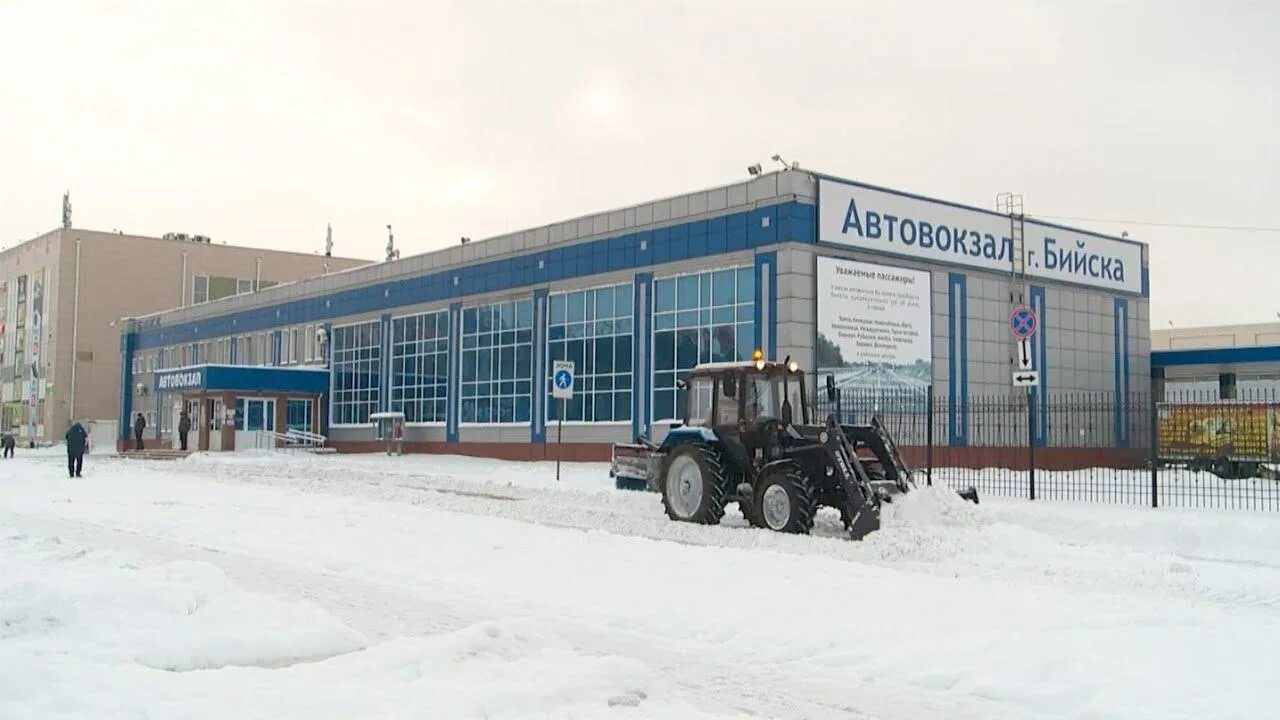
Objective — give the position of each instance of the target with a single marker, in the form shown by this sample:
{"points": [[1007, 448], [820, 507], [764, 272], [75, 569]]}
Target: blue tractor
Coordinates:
{"points": [[746, 437]]}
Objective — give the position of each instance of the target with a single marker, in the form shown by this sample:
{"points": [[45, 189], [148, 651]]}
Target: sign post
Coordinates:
{"points": [[561, 390]]}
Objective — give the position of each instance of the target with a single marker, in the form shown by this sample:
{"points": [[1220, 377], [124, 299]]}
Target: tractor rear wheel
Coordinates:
{"points": [[784, 499], [693, 484]]}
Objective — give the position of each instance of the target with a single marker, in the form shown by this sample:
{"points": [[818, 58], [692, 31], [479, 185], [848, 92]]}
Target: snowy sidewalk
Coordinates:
{"points": [[456, 587]]}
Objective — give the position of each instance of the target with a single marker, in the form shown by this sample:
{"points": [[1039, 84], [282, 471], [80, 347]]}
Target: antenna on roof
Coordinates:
{"points": [[66, 210], [392, 252], [328, 241]]}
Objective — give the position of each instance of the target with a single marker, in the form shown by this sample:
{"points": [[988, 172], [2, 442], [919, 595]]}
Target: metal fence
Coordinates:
{"points": [[1187, 450]]}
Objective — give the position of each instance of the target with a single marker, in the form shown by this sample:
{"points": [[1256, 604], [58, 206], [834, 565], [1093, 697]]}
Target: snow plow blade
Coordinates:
{"points": [[633, 466]]}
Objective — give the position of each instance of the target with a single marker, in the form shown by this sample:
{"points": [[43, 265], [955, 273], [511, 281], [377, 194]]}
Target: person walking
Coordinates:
{"points": [[8, 443], [77, 439], [139, 424], [184, 427]]}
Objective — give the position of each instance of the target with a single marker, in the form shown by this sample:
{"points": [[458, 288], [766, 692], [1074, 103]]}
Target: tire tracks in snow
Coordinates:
{"points": [[703, 673], [957, 551]]}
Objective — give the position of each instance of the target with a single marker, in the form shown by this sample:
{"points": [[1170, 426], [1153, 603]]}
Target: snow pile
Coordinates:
{"points": [[175, 616], [928, 524], [932, 506], [507, 669], [85, 634], [442, 472]]}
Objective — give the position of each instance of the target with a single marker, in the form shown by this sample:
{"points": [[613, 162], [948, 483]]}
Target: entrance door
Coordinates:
{"points": [[213, 420], [254, 415]]}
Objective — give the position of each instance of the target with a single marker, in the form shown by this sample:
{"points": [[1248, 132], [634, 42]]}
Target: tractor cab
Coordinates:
{"points": [[745, 394]]}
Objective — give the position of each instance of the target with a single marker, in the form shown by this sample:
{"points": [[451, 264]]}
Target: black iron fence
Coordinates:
{"points": [[1187, 450]]}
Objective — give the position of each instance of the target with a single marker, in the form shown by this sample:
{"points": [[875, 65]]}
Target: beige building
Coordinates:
{"points": [[1232, 362], [63, 294], [1215, 336]]}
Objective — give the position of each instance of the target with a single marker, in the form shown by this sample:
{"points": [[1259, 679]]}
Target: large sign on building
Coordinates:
{"points": [[187, 379], [885, 221], [874, 325]]}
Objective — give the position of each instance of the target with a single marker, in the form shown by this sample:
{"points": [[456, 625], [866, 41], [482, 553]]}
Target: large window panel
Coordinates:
{"points": [[356, 366], [593, 329], [420, 366], [700, 318], [497, 352]]}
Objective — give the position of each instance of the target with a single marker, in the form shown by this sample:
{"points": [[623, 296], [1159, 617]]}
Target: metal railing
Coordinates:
{"points": [[289, 440], [1187, 450]]}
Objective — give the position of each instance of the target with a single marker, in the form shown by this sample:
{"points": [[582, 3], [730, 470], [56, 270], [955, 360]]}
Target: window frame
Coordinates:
{"points": [[679, 373], [195, 283], [495, 378], [398, 405], [551, 407], [374, 356]]}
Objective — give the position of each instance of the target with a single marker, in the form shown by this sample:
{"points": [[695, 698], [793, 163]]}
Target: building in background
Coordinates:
{"points": [[1226, 362], [63, 294], [889, 292]]}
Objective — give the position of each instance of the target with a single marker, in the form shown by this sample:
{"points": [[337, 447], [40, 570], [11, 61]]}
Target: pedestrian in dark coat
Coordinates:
{"points": [[139, 424], [77, 440], [184, 427], [8, 443]]}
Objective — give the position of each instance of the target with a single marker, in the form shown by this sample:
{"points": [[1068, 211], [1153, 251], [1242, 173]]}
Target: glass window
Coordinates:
{"points": [[497, 352], [707, 317], [356, 372], [727, 401], [200, 289], [420, 366], [700, 411], [594, 331], [244, 286], [298, 415]]}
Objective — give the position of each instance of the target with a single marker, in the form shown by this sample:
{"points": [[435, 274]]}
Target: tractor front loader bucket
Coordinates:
{"points": [[891, 447], [861, 510]]}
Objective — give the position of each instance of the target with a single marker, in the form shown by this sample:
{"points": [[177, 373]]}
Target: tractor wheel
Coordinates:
{"points": [[785, 500], [693, 485]]}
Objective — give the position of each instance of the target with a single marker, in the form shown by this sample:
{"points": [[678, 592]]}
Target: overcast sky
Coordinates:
{"points": [[257, 123]]}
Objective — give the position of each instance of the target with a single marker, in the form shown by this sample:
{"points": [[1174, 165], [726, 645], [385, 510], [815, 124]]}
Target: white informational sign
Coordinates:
{"points": [[1024, 354], [874, 325], [562, 380], [1026, 378], [932, 231]]}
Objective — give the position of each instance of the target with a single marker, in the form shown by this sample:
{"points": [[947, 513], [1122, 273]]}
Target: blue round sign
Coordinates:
{"points": [[563, 379], [1023, 322]]}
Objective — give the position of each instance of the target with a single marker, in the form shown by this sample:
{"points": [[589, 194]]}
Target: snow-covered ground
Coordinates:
{"points": [[275, 586]]}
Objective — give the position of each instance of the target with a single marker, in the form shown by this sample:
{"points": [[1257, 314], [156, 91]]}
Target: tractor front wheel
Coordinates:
{"points": [[693, 485], [784, 499]]}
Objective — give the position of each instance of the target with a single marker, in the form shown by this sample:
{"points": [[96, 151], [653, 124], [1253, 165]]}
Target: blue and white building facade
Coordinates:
{"points": [[461, 340]]}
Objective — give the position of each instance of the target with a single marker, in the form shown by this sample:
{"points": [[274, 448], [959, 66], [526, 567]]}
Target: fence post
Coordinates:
{"points": [[928, 438], [1031, 441], [1154, 453]]}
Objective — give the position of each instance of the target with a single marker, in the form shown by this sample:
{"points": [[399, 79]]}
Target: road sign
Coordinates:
{"points": [[1026, 378], [562, 379], [1023, 322], [1024, 354]]}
